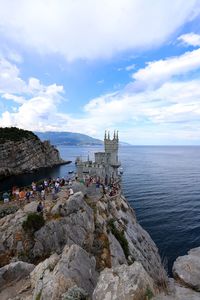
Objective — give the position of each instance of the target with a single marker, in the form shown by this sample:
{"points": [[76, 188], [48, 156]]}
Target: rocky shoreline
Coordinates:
{"points": [[90, 247]]}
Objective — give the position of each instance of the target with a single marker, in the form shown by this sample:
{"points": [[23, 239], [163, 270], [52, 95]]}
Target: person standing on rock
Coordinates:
{"points": [[28, 194], [40, 208]]}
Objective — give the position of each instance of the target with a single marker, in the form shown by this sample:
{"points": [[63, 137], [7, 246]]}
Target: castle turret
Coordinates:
{"points": [[111, 148]]}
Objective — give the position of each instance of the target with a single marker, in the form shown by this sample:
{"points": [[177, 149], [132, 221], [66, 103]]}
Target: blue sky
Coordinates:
{"points": [[95, 65]]}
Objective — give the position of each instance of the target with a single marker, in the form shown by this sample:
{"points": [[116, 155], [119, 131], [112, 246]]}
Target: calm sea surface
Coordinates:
{"points": [[161, 183]]}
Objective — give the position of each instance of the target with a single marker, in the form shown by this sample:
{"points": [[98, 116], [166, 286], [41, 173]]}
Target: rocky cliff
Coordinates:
{"points": [[90, 247], [23, 152]]}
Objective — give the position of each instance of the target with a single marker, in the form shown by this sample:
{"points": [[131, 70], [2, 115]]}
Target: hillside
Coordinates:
{"points": [[15, 134], [68, 138]]}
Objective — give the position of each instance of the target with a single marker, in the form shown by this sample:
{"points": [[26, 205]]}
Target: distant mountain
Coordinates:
{"points": [[68, 138]]}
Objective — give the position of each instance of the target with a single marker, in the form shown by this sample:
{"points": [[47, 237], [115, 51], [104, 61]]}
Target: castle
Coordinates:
{"points": [[106, 164]]}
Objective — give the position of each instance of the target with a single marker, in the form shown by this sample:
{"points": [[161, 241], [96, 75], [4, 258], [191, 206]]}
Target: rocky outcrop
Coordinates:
{"points": [[119, 219], [27, 155], [76, 225], [14, 272], [186, 269], [53, 277], [14, 280], [124, 282], [83, 237]]}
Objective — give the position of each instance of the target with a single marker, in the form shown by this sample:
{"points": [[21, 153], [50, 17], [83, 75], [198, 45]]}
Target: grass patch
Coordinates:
{"points": [[120, 236]]}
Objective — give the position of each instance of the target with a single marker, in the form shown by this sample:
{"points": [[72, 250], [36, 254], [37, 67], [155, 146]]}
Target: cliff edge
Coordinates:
{"points": [[21, 151], [89, 247]]}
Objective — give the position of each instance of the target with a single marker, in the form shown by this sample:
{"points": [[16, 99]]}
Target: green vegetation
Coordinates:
{"points": [[33, 222], [149, 294], [15, 134], [120, 236], [38, 297]]}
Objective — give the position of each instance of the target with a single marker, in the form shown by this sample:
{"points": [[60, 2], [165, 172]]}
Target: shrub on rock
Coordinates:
{"points": [[33, 222]]}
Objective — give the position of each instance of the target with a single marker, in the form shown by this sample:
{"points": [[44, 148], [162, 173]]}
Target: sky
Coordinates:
{"points": [[93, 65]]}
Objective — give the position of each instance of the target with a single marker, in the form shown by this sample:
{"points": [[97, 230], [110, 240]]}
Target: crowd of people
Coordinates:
{"points": [[37, 191], [50, 187]]}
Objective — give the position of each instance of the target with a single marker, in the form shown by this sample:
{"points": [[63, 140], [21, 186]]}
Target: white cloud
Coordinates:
{"points": [[10, 81], [168, 112], [92, 29], [130, 68], [17, 99], [37, 102], [157, 72], [192, 39]]}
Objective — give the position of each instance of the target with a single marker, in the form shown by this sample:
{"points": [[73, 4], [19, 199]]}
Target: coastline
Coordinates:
{"points": [[3, 177]]}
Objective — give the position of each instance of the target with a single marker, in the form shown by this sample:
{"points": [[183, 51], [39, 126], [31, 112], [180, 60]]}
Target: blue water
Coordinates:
{"points": [[161, 183]]}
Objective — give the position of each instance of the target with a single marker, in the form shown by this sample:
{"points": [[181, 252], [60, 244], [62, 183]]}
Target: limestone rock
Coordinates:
{"points": [[30, 207], [186, 269], [123, 283], [7, 210], [74, 268], [46, 266], [143, 249], [11, 236], [140, 245], [14, 272], [75, 227], [116, 251]]}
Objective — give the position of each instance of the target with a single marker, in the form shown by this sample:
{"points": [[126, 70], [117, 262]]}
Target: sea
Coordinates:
{"points": [[161, 183]]}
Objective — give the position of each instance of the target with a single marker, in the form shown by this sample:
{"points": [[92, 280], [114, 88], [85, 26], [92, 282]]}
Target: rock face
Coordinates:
{"points": [[57, 274], [75, 226], [119, 218], [124, 282], [14, 280], [84, 237], [27, 155], [14, 272], [186, 269]]}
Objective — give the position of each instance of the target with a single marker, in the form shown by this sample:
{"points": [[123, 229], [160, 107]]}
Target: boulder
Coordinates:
{"points": [[14, 272], [51, 278], [186, 269], [124, 283], [75, 227]]}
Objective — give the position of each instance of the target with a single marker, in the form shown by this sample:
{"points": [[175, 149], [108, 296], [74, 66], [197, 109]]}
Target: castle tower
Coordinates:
{"points": [[111, 147]]}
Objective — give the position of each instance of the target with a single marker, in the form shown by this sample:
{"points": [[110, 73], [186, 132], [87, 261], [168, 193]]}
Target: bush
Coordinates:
{"points": [[120, 236], [15, 134], [33, 222]]}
